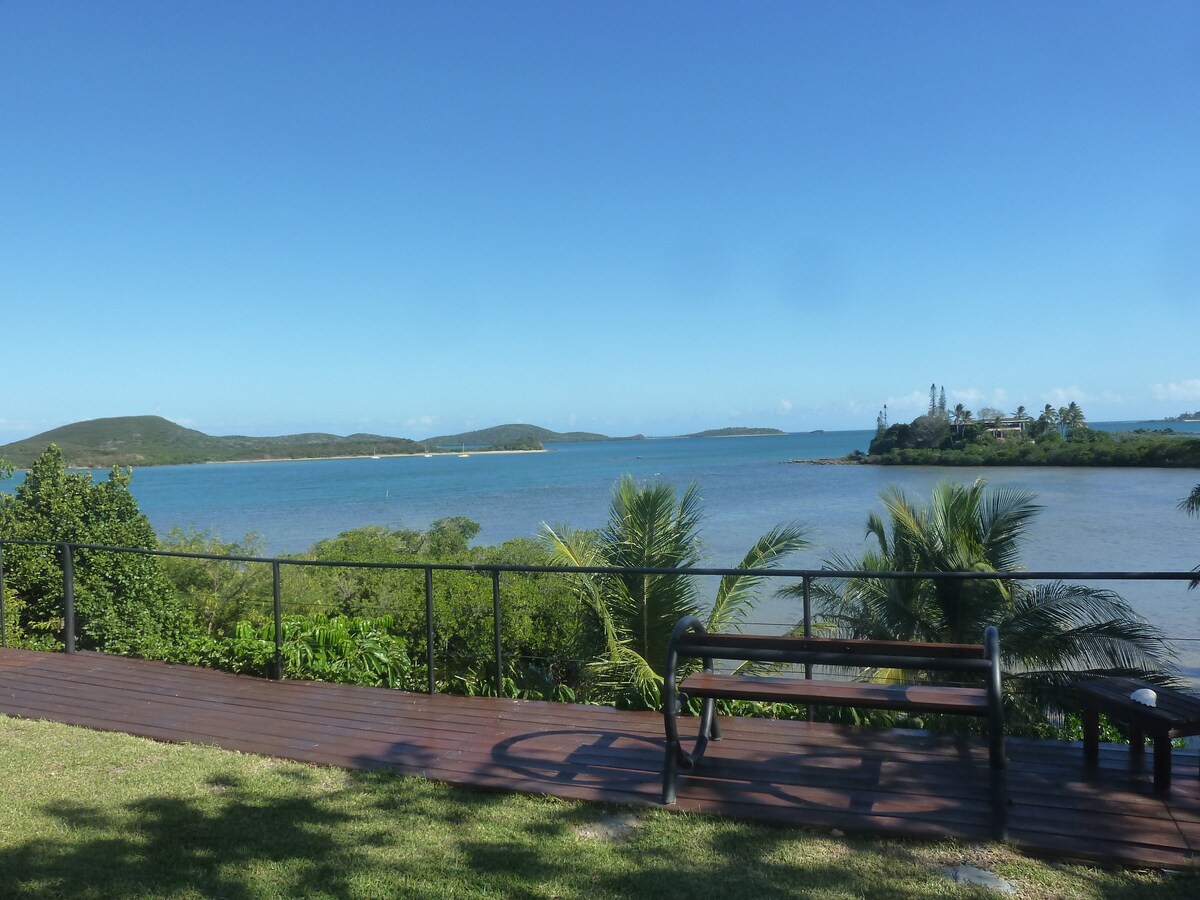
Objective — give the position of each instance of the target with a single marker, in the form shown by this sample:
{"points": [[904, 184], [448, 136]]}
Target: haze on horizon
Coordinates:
{"points": [[415, 219]]}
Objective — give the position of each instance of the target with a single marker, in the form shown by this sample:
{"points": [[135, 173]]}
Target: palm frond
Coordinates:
{"points": [[736, 593], [1191, 503], [1006, 518], [1078, 629], [579, 549]]}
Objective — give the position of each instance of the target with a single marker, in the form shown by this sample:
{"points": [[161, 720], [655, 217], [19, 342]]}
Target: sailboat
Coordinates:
{"points": [[464, 453]]}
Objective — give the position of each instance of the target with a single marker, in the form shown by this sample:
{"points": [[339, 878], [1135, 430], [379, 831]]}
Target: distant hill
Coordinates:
{"points": [[155, 441], [507, 435], [735, 432]]}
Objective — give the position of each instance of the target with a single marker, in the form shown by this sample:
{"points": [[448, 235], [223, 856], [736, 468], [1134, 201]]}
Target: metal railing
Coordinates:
{"points": [[806, 578]]}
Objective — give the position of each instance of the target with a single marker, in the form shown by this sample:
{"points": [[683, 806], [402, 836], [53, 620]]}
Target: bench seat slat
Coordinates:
{"points": [[918, 697], [842, 660], [694, 644]]}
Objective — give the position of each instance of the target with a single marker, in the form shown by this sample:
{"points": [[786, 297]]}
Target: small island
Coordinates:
{"points": [[1055, 437], [736, 432]]}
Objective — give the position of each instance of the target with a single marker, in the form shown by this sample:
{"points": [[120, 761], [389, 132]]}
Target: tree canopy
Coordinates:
{"points": [[124, 601]]}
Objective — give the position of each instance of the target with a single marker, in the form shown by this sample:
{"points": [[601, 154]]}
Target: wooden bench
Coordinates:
{"points": [[690, 640]]}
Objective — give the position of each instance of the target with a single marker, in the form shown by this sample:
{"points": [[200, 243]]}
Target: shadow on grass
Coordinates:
{"points": [[164, 845], [371, 834], [689, 859]]}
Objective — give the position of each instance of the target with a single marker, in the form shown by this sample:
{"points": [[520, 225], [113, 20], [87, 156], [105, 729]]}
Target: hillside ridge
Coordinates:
{"points": [[153, 440]]}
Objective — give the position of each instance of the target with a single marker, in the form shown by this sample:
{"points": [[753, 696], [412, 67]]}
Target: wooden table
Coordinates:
{"points": [[1176, 715]]}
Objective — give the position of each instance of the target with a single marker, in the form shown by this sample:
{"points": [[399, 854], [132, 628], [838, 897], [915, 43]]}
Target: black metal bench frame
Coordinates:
{"points": [[690, 640]]}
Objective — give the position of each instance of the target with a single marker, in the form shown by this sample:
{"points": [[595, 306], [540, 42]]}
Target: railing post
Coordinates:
{"points": [[808, 667], [277, 667], [496, 632], [3, 620], [807, 606], [429, 628], [68, 567]]}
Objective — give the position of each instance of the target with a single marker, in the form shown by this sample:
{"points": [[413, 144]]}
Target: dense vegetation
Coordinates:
{"points": [[359, 625], [593, 638], [152, 440], [124, 602], [1056, 437]]}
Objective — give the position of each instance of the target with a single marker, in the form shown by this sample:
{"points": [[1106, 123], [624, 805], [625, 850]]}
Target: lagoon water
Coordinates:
{"points": [[1112, 520]]}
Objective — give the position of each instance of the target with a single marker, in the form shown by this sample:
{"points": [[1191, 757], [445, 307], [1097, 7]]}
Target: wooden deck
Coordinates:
{"points": [[825, 776]]}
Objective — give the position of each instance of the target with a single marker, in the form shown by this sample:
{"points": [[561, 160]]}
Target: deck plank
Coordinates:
{"points": [[891, 782]]}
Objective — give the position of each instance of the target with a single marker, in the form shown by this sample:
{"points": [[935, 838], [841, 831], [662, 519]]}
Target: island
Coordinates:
{"points": [[736, 432], [1056, 437], [155, 441]]}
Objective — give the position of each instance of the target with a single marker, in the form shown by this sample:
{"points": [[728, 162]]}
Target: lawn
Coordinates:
{"points": [[88, 814]]}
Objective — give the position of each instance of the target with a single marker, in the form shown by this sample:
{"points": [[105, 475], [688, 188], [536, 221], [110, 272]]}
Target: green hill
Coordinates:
{"points": [[513, 435], [155, 441]]}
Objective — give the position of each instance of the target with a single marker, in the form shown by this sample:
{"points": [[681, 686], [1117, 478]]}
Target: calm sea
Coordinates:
{"points": [[1093, 519]]}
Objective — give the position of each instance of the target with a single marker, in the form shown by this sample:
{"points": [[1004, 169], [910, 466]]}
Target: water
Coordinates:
{"points": [[1093, 519]]}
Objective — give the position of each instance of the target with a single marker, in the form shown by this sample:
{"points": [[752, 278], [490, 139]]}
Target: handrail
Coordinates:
{"points": [[67, 550], [1001, 575]]}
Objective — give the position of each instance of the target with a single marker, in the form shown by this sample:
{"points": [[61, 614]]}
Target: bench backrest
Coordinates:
{"points": [[833, 651]]}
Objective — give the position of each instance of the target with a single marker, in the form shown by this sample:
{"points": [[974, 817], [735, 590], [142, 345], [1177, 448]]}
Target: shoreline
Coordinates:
{"points": [[824, 461], [457, 454], [230, 462]]}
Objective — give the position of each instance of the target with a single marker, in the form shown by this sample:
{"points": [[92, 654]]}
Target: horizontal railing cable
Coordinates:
{"points": [[487, 568], [494, 571]]}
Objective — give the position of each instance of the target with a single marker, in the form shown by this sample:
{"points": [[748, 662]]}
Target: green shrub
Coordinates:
{"points": [[317, 647], [123, 601]]}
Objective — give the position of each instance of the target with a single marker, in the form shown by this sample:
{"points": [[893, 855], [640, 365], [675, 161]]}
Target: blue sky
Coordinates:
{"points": [[419, 218]]}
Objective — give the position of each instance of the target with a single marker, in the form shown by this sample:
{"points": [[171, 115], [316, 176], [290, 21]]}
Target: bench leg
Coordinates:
{"points": [[1137, 742], [998, 773], [1091, 736], [670, 767], [999, 791], [1162, 762]]}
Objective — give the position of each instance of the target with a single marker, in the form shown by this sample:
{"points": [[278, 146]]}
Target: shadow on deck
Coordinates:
{"points": [[899, 783]]}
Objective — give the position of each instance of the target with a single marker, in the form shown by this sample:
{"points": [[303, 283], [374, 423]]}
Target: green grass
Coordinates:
{"points": [[86, 814]]}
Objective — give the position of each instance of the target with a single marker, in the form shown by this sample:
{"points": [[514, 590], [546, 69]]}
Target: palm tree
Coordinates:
{"points": [[650, 528], [1049, 417], [962, 416], [1051, 635], [1071, 417]]}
